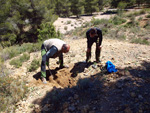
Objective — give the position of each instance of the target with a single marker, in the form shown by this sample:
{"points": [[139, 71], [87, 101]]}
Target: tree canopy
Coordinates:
{"points": [[24, 20]]}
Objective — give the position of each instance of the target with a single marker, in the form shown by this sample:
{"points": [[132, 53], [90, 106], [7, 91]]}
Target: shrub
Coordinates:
{"points": [[132, 23], [148, 16], [117, 20], [147, 26], [99, 21], [13, 51], [122, 37], [137, 13], [18, 61], [47, 31], [140, 41], [104, 30], [69, 22], [140, 18], [11, 91], [65, 28], [35, 64]]}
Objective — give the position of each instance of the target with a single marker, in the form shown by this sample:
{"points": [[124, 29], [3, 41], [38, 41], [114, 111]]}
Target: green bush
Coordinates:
{"points": [[140, 41], [137, 13], [47, 31], [122, 37], [147, 26], [69, 22], [18, 61], [86, 24], [104, 30], [35, 64], [13, 51], [117, 20], [65, 28], [148, 16], [132, 23], [11, 91], [99, 21]]}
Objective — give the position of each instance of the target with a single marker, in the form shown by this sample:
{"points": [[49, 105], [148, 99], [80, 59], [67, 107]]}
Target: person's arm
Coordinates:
{"points": [[88, 39], [61, 62]]}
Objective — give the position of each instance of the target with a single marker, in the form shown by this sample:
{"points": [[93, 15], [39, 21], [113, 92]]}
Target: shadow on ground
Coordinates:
{"points": [[126, 91], [37, 76], [79, 67]]}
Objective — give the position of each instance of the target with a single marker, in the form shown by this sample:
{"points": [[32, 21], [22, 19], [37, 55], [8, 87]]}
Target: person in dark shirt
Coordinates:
{"points": [[94, 35]]}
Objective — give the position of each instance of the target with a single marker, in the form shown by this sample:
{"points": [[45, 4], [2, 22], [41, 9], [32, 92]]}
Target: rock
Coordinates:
{"points": [[71, 108], [85, 109], [140, 97], [119, 85], [133, 95], [128, 110], [45, 108], [36, 106], [76, 96], [94, 108], [94, 66], [112, 58], [85, 70], [65, 111], [65, 105], [91, 111]]}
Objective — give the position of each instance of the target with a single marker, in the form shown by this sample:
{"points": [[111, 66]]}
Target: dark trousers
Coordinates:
{"points": [[45, 58], [97, 51]]}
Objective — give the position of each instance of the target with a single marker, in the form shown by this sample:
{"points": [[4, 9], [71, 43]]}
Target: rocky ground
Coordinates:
{"points": [[87, 89], [83, 88]]}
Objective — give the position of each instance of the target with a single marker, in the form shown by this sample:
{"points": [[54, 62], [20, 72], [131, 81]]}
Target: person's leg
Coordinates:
{"points": [[88, 52], [97, 53], [43, 64]]}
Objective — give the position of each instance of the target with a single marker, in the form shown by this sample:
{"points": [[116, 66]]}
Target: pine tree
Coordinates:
{"points": [[91, 6], [77, 7]]}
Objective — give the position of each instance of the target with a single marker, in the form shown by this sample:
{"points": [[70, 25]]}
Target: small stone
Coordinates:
{"points": [[128, 110], [76, 96], [119, 85], [85, 70], [112, 58], [91, 111], [133, 94], [140, 97], [94, 66], [85, 109], [65, 105], [45, 108], [36, 106], [71, 108], [94, 108]]}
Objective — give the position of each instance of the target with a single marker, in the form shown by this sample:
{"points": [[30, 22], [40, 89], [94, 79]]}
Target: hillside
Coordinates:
{"points": [[82, 89]]}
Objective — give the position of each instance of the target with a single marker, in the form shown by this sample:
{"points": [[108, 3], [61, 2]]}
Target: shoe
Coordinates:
{"points": [[44, 80], [98, 61]]}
